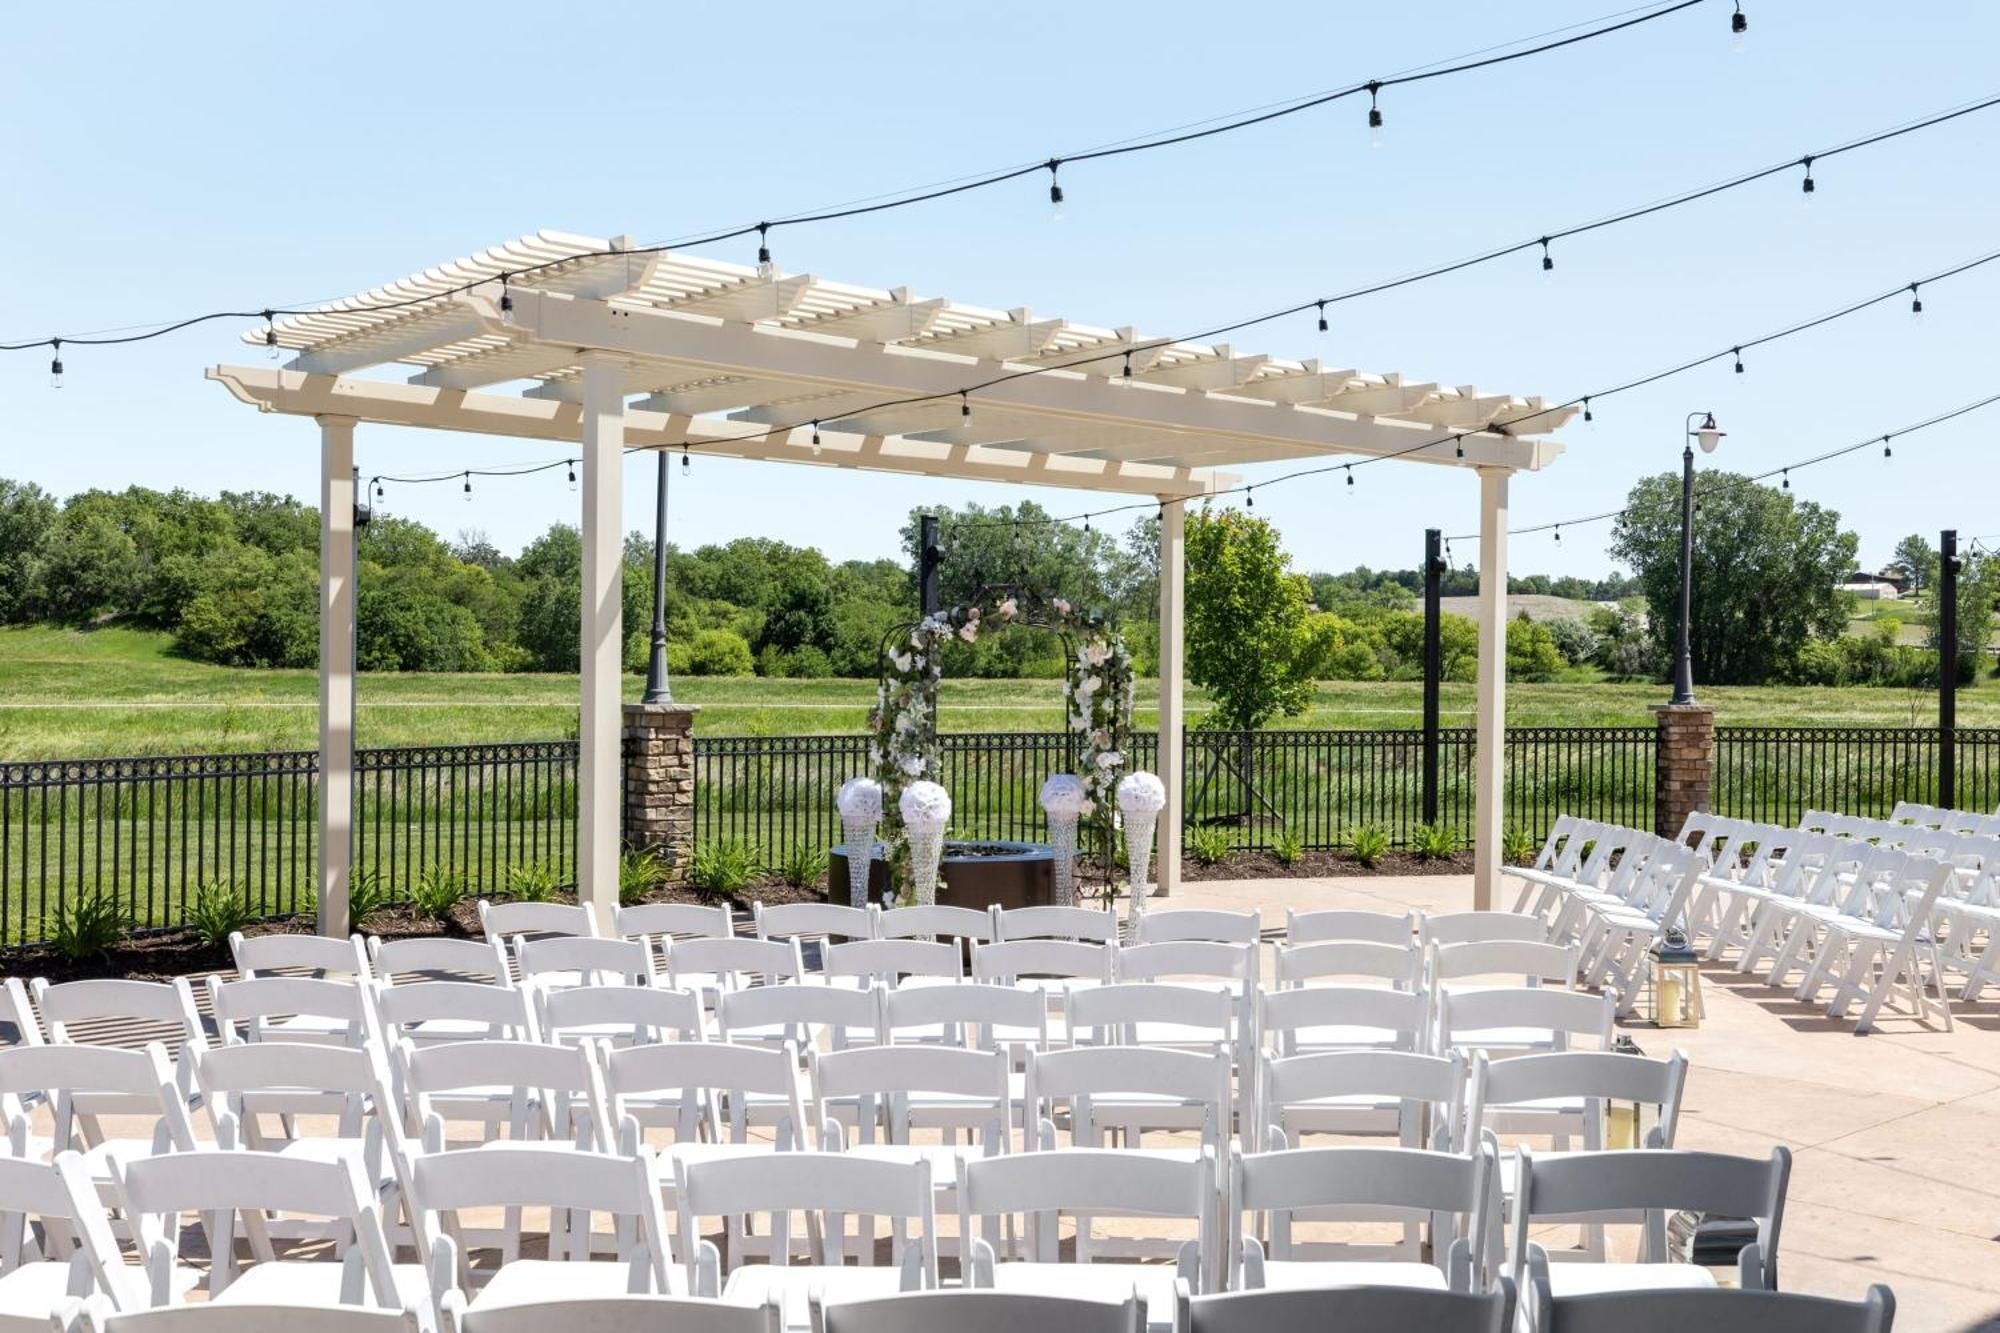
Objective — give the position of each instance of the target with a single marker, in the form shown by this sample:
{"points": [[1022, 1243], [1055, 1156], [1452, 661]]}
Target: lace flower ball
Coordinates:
{"points": [[860, 799], [1141, 793], [1064, 794], [926, 807]]}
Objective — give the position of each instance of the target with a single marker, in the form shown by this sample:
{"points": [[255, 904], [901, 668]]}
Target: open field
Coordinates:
{"points": [[69, 694]]}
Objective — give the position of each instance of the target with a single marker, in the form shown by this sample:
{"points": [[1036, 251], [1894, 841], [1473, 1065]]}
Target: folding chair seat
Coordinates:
{"points": [[1718, 1310], [639, 1312], [1199, 923], [1450, 1194], [97, 1316], [1341, 924], [1377, 1308], [1652, 1185], [620, 1015], [1155, 1016], [1088, 1185], [966, 1311], [314, 955], [828, 1186], [973, 1015], [575, 1187]]}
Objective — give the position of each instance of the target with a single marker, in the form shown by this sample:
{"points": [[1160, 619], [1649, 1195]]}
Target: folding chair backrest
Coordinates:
{"points": [[1565, 1016], [503, 921], [695, 920], [779, 1184], [454, 1011], [1340, 924], [792, 1011], [934, 921], [696, 1069], [89, 1081], [1400, 965], [1380, 1309], [1416, 1080], [1361, 1179], [1055, 923], [1468, 927], [566, 1076], [1369, 1016], [965, 1310], [734, 959], [240, 1007], [86, 1012], [1196, 923], [889, 961], [891, 1070], [1606, 1076], [1719, 1310], [249, 1317], [632, 1013], [586, 960], [1109, 1015], [1185, 958], [312, 1069], [1010, 960], [640, 1313], [833, 920], [422, 959], [1083, 1073], [994, 1014], [61, 1197], [1578, 1185], [1098, 1181], [318, 954], [1531, 963]]}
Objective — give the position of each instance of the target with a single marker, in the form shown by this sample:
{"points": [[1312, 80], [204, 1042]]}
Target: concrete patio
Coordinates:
{"points": [[1895, 1136]]}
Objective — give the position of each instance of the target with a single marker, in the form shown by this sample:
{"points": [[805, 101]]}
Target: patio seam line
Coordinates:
{"points": [[1898, 1275]]}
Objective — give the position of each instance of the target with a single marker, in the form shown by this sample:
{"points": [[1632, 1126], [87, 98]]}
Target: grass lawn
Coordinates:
{"points": [[72, 694]]}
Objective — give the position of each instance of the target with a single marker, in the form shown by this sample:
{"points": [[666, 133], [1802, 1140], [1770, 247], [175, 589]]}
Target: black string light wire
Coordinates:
{"points": [[762, 229]]}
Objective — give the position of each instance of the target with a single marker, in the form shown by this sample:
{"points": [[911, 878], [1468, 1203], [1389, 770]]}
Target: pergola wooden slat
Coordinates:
{"points": [[615, 348]]}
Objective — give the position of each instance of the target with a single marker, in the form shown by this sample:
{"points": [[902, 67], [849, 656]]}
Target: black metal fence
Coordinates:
{"points": [[153, 832], [1776, 774]]}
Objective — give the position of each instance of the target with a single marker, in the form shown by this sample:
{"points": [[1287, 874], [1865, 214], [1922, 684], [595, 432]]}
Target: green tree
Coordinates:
{"points": [[27, 516], [1248, 638], [1766, 572], [1916, 560], [1978, 591], [1531, 650]]}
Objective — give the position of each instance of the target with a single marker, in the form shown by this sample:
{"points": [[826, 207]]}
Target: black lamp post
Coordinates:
{"points": [[659, 690], [1708, 437]]}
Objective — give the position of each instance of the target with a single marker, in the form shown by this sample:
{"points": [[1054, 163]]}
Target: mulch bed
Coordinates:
{"points": [[1316, 865]]}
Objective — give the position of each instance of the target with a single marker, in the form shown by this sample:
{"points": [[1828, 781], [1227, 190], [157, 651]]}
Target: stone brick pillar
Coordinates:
{"points": [[659, 782], [1684, 764]]}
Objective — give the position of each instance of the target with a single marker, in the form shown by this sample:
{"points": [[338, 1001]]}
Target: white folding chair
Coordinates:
{"points": [[1530, 1018], [1416, 1098], [1089, 1184], [966, 1311], [584, 960], [412, 961], [1717, 1310], [507, 921], [891, 962], [639, 1312], [432, 1012], [1520, 962], [328, 958], [934, 921], [799, 1012], [1099, 925], [1341, 1018], [116, 1012], [829, 1187], [1340, 924], [1378, 1309], [1199, 923], [83, 1086], [1651, 1185], [688, 920], [219, 1184], [711, 966], [1436, 928], [531, 1090], [97, 1316], [1572, 1094], [621, 1015], [1155, 1015], [1451, 1194], [703, 1094], [813, 925], [56, 1244], [1399, 964], [983, 1015], [1893, 954], [574, 1187], [1118, 1092], [277, 1009]]}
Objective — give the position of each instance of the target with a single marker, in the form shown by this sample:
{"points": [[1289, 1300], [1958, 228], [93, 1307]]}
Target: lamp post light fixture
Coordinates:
{"points": [[659, 690], [1708, 436]]}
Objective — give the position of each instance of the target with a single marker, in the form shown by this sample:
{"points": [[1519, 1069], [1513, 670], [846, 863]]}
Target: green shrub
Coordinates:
{"points": [[1288, 847], [1433, 842], [1208, 845], [640, 871], [1517, 846], [531, 882], [1369, 843], [367, 894], [437, 891], [219, 910], [88, 927], [801, 866], [723, 869]]}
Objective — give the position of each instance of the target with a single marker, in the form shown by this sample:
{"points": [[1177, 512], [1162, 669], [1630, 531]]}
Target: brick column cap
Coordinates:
{"points": [[1682, 710], [665, 710]]}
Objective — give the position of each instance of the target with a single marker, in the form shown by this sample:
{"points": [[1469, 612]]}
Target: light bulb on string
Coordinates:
{"points": [[1350, 476], [1374, 115], [684, 460], [763, 243], [1739, 29], [1559, 534], [1916, 303], [1806, 186], [1128, 365], [1055, 190], [1739, 359], [55, 364], [270, 335], [964, 406], [1887, 452], [1587, 417], [1086, 523], [1788, 479], [468, 488], [1458, 445], [1249, 497], [572, 477], [506, 302], [1322, 316], [815, 439], [1548, 263]]}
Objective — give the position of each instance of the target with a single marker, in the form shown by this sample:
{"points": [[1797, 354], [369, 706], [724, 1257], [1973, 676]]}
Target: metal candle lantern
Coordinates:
{"points": [[1673, 983]]}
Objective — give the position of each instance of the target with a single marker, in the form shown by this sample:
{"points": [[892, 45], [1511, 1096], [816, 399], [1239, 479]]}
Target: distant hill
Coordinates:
{"points": [[1537, 606]]}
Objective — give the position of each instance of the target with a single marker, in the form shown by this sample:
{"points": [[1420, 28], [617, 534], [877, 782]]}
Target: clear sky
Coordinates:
{"points": [[165, 159]]}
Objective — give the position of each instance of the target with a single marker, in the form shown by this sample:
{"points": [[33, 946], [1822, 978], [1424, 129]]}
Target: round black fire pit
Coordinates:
{"points": [[973, 874]]}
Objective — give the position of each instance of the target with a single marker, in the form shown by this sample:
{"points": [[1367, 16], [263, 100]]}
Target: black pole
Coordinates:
{"points": [[1947, 593], [929, 557], [659, 690], [1433, 667], [1683, 656]]}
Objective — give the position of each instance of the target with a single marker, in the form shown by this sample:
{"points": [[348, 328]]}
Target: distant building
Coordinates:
{"points": [[1871, 587]]}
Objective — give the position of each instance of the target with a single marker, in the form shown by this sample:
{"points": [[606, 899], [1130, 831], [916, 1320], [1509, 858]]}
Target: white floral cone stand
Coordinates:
{"points": [[1064, 801], [926, 809], [1141, 797], [860, 803]]}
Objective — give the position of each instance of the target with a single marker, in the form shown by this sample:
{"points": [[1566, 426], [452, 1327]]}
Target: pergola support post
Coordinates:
{"points": [[1489, 755], [336, 672], [1173, 705], [599, 724]]}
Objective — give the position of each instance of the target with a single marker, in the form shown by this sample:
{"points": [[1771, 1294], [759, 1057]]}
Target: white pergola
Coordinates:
{"points": [[598, 346]]}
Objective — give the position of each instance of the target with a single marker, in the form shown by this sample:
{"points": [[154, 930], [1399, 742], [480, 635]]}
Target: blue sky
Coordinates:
{"points": [[158, 163]]}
